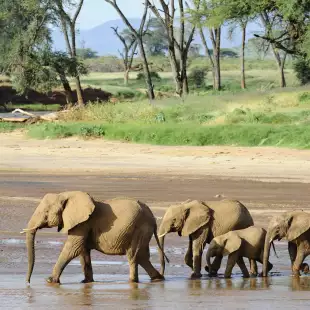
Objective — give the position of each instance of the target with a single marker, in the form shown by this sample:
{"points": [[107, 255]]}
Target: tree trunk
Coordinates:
{"points": [[216, 43], [147, 74], [185, 88], [175, 71], [126, 77], [66, 86], [207, 51], [282, 77], [243, 86], [79, 92]]}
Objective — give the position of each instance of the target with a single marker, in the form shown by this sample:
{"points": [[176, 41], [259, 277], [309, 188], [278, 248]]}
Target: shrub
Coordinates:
{"points": [[302, 69], [304, 97], [154, 76], [197, 77]]}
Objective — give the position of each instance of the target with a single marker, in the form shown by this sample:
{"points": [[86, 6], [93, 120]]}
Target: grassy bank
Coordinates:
{"points": [[253, 118], [297, 136]]}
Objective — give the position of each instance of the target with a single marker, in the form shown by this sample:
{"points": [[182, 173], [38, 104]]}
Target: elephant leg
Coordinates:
{"points": [[231, 262], [243, 267], [72, 249], [216, 265], [87, 266], [133, 269], [299, 259], [189, 254], [292, 250], [199, 242], [144, 262], [253, 268]]}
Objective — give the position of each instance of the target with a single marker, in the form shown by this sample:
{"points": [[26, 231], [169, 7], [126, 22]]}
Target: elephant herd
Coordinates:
{"points": [[125, 227]]}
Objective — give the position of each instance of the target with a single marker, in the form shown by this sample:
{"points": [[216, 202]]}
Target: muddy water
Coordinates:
{"points": [[111, 289]]}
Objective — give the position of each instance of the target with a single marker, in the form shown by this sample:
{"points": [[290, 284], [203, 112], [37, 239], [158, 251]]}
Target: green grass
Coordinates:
{"points": [[8, 127], [167, 134]]}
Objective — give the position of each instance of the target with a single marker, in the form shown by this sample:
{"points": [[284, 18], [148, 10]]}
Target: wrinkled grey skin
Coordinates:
{"points": [[201, 222], [248, 242], [114, 227], [294, 226]]}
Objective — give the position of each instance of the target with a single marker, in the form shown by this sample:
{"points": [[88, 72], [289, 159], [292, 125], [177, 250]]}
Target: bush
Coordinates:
{"points": [[197, 77], [302, 69], [154, 76]]}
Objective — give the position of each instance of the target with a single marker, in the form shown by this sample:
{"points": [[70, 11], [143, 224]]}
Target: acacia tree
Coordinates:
{"points": [[68, 26], [200, 16], [271, 24], [138, 34], [129, 50], [165, 12]]}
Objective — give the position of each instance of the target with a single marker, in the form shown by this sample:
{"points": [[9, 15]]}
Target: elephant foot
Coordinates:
{"points": [[158, 279], [252, 275], [295, 273], [211, 273], [52, 280], [304, 268], [133, 281], [87, 281], [195, 275], [227, 276]]}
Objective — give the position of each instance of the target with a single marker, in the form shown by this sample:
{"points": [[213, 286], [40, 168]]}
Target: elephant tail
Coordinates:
{"points": [[274, 249], [161, 250]]}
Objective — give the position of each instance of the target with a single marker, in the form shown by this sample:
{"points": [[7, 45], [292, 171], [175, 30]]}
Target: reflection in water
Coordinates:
{"points": [[300, 283]]}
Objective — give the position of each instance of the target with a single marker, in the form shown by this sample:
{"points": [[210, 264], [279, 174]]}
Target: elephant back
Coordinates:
{"points": [[229, 215]]}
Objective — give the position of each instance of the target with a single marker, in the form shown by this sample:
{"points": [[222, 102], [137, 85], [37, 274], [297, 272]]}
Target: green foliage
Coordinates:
{"points": [[154, 76], [302, 69], [162, 134], [304, 98], [197, 77], [86, 53]]}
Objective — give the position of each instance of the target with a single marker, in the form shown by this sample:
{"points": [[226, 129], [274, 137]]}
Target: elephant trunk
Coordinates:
{"points": [[162, 255], [30, 238], [267, 246]]}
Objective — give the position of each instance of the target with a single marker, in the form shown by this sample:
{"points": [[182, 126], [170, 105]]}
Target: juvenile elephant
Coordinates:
{"points": [[295, 227], [114, 227], [248, 242], [201, 222]]}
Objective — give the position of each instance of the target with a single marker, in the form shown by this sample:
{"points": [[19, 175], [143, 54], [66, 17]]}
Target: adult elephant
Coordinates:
{"points": [[201, 221], [114, 227], [295, 227]]}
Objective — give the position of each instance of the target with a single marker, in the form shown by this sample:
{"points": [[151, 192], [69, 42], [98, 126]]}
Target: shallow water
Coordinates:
{"points": [[281, 292]]}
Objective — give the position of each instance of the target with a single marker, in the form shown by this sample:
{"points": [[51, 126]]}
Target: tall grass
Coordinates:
{"points": [[164, 134]]}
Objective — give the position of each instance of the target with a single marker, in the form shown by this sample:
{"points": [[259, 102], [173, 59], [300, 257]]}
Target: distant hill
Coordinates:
{"points": [[103, 40]]}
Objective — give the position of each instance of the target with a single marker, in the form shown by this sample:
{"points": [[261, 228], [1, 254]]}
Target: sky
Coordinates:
{"points": [[96, 12]]}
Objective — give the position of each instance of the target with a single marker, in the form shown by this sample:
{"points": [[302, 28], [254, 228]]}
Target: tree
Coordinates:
{"points": [[138, 34], [68, 26], [86, 53], [155, 40], [129, 50], [200, 17], [24, 31], [293, 17], [271, 24], [166, 14]]}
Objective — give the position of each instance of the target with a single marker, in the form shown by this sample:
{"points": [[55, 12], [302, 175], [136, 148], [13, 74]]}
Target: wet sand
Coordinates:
{"points": [[274, 181]]}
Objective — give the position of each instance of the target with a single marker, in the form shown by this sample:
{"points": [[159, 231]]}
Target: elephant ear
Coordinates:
{"points": [[78, 208], [298, 223], [196, 215], [232, 244]]}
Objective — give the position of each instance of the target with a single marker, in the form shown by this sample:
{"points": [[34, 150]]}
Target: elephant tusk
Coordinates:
{"points": [[162, 235]]}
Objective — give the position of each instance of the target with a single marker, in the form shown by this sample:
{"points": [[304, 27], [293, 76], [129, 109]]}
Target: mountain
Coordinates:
{"points": [[103, 40]]}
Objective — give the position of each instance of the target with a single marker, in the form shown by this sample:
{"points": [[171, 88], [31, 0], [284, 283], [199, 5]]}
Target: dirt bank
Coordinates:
{"points": [[74, 155]]}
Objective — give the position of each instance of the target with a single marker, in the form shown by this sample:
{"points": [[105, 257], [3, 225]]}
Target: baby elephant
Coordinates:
{"points": [[248, 242]]}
